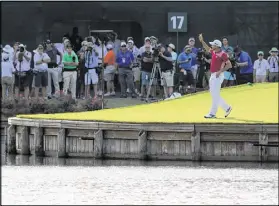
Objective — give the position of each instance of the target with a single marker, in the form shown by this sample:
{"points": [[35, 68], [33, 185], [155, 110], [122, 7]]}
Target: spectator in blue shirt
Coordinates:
{"points": [[194, 53], [245, 64], [124, 60], [90, 64], [184, 61], [229, 77]]}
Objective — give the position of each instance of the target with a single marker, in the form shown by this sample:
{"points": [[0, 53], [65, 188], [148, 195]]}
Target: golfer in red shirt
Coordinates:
{"points": [[219, 63]]}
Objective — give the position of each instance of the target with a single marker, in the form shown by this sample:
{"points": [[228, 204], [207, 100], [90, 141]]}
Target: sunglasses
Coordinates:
{"points": [[260, 55], [41, 48], [123, 46]]}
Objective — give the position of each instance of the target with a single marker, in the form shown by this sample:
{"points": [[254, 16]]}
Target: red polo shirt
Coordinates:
{"points": [[217, 59]]}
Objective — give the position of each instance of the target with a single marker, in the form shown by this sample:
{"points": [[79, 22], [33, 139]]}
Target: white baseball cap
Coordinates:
{"points": [[123, 44], [216, 42], [147, 38], [131, 41], [21, 45], [7, 48], [109, 46], [171, 46]]}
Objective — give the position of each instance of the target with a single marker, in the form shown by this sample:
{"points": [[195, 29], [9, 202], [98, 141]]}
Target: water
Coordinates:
{"points": [[30, 180]]}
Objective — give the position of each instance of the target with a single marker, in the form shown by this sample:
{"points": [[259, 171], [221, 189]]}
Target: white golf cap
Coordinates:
{"points": [[216, 42], [131, 41], [171, 46], [109, 46], [90, 44], [21, 45], [147, 38], [191, 39], [7, 48], [123, 44]]}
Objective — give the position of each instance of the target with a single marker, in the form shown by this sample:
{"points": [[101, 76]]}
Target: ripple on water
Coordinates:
{"points": [[138, 185]]}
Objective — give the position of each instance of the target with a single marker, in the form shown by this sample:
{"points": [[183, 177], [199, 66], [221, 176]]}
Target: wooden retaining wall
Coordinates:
{"points": [[197, 142]]}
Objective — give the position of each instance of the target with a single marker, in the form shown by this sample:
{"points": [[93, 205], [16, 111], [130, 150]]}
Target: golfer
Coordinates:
{"points": [[219, 64]]}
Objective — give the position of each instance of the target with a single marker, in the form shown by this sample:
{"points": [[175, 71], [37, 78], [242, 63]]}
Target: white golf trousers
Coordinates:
{"points": [[52, 75], [214, 89]]}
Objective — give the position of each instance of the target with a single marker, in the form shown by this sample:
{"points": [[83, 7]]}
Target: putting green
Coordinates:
{"points": [[251, 104]]}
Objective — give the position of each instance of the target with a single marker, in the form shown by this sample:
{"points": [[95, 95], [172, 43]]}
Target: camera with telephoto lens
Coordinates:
{"points": [[21, 49], [233, 61]]}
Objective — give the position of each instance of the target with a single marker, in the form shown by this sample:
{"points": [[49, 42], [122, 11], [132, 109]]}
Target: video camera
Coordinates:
{"points": [[233, 61], [156, 50]]}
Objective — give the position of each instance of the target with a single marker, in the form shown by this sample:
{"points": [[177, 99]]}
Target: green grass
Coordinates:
{"points": [[251, 104]]}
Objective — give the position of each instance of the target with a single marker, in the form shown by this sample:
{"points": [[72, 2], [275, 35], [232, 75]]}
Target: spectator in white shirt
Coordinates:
{"points": [[261, 68], [7, 69], [98, 47], [23, 74], [41, 61], [273, 64], [146, 41]]}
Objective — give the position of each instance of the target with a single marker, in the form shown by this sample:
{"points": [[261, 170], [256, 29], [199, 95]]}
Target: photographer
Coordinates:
{"points": [[98, 47], [184, 62], [90, 63], [80, 73], [23, 74], [41, 61], [203, 61], [165, 60], [53, 70], [136, 65], [273, 61], [124, 60], [230, 75], [245, 65], [7, 69], [146, 69], [70, 61]]}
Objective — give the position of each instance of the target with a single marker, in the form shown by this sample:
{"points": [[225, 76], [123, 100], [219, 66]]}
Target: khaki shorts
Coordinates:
{"points": [[136, 74], [109, 73], [167, 78]]}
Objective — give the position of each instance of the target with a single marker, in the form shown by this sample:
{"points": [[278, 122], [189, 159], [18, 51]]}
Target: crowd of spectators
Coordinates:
{"points": [[74, 67]]}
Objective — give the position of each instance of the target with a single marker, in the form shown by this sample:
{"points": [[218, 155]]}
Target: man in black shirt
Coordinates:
{"points": [[53, 70], [165, 60], [146, 69]]}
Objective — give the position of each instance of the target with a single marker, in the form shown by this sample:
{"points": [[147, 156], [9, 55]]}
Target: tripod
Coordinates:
{"points": [[155, 68]]}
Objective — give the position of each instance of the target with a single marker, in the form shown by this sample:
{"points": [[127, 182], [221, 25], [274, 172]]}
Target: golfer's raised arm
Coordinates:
{"points": [[205, 46]]}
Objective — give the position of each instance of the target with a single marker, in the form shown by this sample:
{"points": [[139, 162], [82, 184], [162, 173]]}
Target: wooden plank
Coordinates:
{"points": [[176, 147], [134, 147], [142, 145], [228, 128], [217, 151], [109, 134], [51, 131], [98, 144], [25, 149], [188, 148], [195, 146], [273, 138], [125, 146], [11, 139], [228, 149], [61, 141], [250, 150], [182, 148], [169, 136], [32, 144], [38, 141], [263, 154], [226, 137], [81, 133], [240, 149]]}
